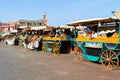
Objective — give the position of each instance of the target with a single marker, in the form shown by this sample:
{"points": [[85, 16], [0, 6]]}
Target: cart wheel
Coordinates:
{"points": [[43, 48], [56, 49], [78, 56], [109, 59]]}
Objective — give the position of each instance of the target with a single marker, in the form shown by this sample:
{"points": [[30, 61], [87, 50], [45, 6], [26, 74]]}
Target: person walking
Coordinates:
{"points": [[25, 43]]}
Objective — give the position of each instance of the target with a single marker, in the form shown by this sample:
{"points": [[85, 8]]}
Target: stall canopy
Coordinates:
{"points": [[22, 27], [13, 31], [38, 28], [89, 21], [7, 34], [116, 15]]}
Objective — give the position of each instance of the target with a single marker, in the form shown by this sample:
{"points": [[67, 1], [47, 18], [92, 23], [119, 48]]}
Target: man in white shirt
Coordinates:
{"points": [[94, 35]]}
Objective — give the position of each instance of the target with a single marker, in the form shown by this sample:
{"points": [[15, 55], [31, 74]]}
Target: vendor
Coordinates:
{"points": [[52, 33], [94, 35]]}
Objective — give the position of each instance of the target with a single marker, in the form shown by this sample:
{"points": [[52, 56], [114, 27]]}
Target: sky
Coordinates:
{"points": [[58, 12]]}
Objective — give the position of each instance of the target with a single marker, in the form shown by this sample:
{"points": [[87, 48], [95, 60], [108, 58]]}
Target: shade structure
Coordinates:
{"points": [[89, 21], [38, 28]]}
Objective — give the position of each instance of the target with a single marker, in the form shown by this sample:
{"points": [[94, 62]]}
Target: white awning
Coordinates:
{"points": [[116, 15], [87, 21], [6, 33], [38, 28], [13, 31], [66, 27], [22, 27]]}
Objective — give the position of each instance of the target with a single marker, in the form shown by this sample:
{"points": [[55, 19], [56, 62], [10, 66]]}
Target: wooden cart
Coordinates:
{"points": [[99, 42], [57, 41]]}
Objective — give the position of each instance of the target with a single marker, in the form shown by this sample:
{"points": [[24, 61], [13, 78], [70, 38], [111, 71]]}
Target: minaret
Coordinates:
{"points": [[45, 19]]}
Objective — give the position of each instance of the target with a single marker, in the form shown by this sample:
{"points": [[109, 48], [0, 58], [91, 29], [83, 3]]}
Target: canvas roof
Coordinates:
{"points": [[22, 27], [38, 28], [89, 21]]}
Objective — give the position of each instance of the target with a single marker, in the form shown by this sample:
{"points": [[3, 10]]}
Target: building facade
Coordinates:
{"points": [[32, 23], [4, 27]]}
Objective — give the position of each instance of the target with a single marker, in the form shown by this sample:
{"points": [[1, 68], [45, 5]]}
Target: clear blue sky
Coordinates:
{"points": [[59, 12]]}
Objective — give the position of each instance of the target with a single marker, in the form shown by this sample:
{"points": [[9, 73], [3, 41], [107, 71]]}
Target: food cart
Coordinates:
{"points": [[34, 37], [99, 42], [57, 40]]}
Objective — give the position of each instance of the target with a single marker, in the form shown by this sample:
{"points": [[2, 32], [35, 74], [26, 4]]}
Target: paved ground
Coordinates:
{"points": [[18, 64]]}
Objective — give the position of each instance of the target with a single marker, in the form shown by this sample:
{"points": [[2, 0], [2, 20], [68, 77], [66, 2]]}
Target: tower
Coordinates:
{"points": [[45, 19]]}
